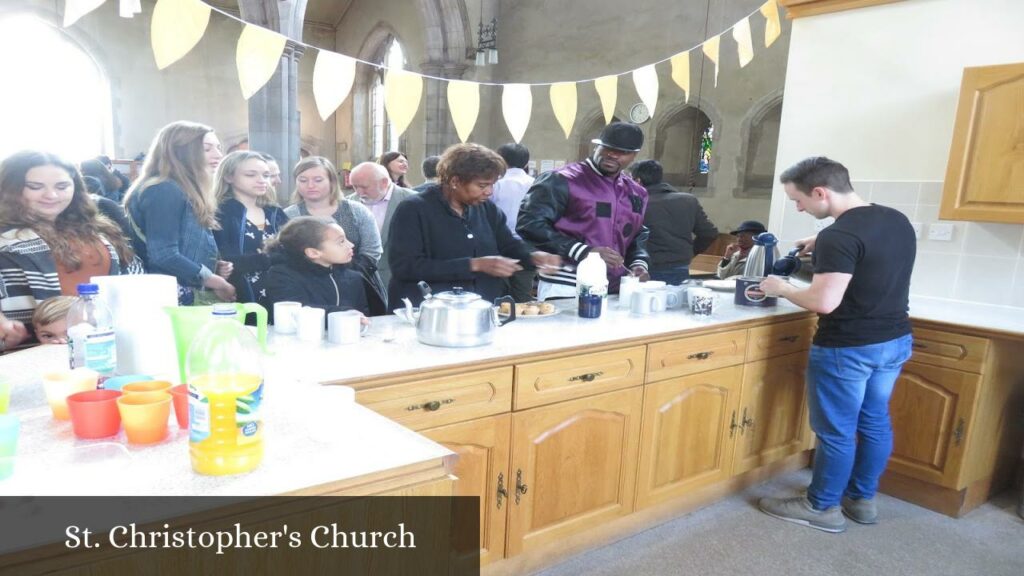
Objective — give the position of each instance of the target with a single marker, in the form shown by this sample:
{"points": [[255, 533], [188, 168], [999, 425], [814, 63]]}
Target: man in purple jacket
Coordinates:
{"points": [[587, 206]]}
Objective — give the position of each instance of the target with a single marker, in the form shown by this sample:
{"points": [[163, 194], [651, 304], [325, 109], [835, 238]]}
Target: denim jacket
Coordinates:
{"points": [[168, 237]]}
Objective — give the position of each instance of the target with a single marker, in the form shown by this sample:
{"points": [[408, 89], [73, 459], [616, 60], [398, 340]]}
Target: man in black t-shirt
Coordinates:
{"points": [[862, 266]]}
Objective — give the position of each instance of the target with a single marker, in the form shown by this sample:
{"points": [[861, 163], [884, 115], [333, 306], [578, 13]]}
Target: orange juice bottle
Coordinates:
{"points": [[225, 389]]}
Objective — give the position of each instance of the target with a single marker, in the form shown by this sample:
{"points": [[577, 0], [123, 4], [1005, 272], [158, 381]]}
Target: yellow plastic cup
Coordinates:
{"points": [[144, 416], [147, 386], [63, 383]]}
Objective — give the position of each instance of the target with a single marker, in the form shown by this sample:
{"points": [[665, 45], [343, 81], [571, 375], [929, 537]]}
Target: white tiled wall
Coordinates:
{"points": [[983, 263]]}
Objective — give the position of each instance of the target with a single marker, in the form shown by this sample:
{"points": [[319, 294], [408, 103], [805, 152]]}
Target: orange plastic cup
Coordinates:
{"points": [[94, 413], [146, 386], [179, 396], [144, 415], [63, 383]]}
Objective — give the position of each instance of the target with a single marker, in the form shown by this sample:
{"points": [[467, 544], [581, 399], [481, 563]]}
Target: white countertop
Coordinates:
{"points": [[982, 316]]}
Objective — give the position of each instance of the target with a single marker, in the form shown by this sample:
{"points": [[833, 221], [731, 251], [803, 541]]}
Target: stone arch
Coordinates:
{"points": [[676, 136], [759, 140], [587, 128], [373, 50]]}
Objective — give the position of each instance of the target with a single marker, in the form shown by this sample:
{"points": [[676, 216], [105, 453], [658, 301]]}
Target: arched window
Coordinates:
{"points": [[55, 97], [683, 146], [761, 146], [383, 133]]}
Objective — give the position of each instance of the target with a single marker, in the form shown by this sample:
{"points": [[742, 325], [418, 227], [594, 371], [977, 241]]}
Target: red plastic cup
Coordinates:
{"points": [[94, 413], [179, 394]]}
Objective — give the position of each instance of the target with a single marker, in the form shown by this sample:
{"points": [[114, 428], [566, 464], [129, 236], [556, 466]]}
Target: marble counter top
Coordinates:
{"points": [[981, 316]]}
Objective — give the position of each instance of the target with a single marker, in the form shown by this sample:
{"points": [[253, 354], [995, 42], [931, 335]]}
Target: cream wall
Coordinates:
{"points": [[877, 89]]}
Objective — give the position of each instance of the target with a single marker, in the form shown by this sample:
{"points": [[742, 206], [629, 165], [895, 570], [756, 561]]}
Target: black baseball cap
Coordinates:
{"points": [[749, 226], [621, 136]]}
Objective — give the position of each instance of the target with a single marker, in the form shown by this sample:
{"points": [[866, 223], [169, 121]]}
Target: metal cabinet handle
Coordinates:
{"points": [[789, 339], [919, 346], [958, 432], [746, 422], [700, 356], [432, 406], [502, 492], [589, 377], [733, 426], [520, 487]]}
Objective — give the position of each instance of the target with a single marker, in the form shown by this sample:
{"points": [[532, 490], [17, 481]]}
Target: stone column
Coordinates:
{"points": [[438, 125]]}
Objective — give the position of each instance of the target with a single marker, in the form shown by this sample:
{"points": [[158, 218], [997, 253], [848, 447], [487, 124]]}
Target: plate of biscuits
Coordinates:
{"points": [[529, 309]]}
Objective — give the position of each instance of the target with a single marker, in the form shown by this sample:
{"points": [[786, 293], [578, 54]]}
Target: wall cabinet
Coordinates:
{"points": [[985, 173]]}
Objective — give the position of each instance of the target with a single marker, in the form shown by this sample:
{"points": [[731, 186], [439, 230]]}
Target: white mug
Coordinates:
{"points": [[285, 317], [311, 324], [702, 301], [676, 297], [642, 303], [664, 299], [345, 327], [628, 285]]}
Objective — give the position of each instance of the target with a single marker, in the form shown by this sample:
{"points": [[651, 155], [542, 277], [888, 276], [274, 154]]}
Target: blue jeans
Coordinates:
{"points": [[848, 392], [674, 275]]}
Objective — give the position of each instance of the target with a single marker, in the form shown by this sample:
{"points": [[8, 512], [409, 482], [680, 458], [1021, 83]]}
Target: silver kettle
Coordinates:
{"points": [[762, 257], [455, 319]]}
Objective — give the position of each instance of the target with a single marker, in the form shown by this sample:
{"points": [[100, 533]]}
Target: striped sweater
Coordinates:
{"points": [[28, 272]]}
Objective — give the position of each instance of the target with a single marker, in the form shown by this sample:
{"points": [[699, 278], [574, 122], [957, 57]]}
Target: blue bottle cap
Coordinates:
{"points": [[88, 289]]}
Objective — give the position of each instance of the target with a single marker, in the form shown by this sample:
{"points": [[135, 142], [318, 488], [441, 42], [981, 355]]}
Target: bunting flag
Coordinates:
{"points": [[75, 9], [608, 91], [129, 8], [257, 56], [333, 76], [744, 43], [646, 82], [402, 93], [177, 26], [563, 103], [516, 107], [681, 73], [464, 106], [710, 48], [772, 26]]}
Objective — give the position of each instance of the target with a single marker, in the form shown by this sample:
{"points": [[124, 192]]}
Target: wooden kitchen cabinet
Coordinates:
{"points": [[573, 467], [772, 412], [931, 409], [482, 470], [985, 173], [689, 433]]}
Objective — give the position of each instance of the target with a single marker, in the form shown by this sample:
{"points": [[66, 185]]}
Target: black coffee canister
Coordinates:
{"points": [[749, 293]]}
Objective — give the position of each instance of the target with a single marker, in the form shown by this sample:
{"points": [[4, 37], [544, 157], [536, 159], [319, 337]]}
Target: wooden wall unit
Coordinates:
{"points": [[804, 8], [985, 173]]}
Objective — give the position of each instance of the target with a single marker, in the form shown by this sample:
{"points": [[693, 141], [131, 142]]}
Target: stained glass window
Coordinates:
{"points": [[704, 161]]}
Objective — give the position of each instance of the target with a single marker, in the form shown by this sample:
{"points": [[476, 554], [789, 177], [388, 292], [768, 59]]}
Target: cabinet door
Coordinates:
{"points": [[482, 470], [772, 411], [573, 467], [931, 412], [689, 429], [985, 173]]}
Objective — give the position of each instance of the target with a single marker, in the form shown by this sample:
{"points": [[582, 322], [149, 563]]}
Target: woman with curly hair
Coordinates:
{"points": [[51, 239]]}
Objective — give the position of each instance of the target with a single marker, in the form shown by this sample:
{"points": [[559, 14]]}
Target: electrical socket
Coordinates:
{"points": [[940, 231], [917, 229]]}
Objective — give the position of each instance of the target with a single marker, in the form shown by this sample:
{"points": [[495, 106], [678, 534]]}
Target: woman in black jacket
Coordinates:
{"points": [[248, 218], [310, 266], [450, 235]]}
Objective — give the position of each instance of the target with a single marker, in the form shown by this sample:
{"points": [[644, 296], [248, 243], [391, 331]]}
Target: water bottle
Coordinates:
{"points": [[225, 389], [91, 341], [591, 285]]}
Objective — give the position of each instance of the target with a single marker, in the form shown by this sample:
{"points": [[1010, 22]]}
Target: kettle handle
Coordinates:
{"points": [[512, 307]]}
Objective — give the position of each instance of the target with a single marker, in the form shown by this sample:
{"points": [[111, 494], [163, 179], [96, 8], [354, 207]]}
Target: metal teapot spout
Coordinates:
{"points": [[407, 314]]}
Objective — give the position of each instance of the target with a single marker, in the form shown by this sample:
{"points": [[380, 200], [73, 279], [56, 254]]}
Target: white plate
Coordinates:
{"points": [[721, 285], [532, 316]]}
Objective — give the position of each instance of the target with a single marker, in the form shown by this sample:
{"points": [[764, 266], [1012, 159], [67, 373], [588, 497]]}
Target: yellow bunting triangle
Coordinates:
{"points": [[176, 28], [129, 8], [710, 48], [744, 44], [772, 27], [563, 102], [608, 91], [402, 93], [516, 107], [464, 105], [333, 75], [681, 72], [646, 82], [75, 9], [257, 56]]}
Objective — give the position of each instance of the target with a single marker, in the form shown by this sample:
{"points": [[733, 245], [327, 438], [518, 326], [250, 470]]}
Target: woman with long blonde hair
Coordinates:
{"points": [[248, 217], [51, 239], [172, 211], [318, 193]]}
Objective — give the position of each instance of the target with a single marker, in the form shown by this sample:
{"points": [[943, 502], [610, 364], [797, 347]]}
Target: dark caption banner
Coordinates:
{"points": [[380, 535]]}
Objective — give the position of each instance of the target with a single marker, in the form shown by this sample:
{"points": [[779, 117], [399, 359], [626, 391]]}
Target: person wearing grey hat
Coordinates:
{"points": [[590, 206], [735, 258]]}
